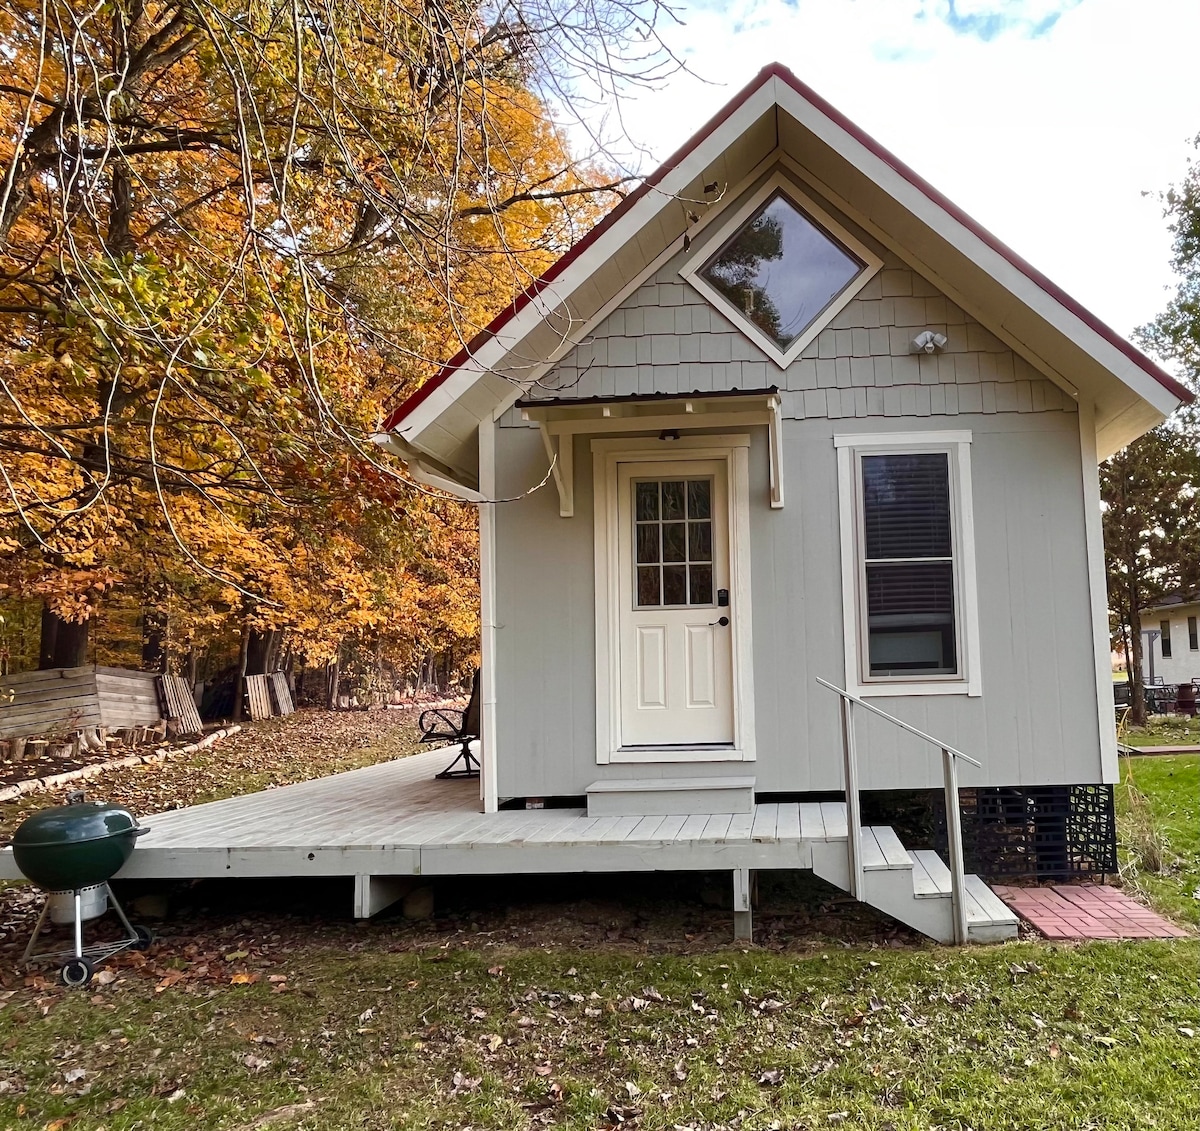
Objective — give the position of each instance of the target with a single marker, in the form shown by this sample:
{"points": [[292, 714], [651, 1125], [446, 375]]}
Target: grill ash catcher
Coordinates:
{"points": [[71, 851]]}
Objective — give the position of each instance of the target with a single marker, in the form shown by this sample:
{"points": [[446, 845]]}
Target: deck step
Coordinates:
{"points": [[882, 849], [915, 887], [670, 796], [931, 875], [984, 907]]}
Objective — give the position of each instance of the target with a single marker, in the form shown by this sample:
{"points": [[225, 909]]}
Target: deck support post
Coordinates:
{"points": [[743, 917], [374, 893]]}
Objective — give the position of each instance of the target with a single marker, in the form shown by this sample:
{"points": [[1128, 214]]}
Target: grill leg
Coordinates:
{"points": [[78, 925], [37, 930], [116, 906]]}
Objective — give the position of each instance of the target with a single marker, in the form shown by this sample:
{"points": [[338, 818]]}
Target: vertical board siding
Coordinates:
{"points": [[1036, 722]]}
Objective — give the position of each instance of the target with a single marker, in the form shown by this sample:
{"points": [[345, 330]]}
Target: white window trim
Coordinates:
{"points": [[958, 443], [779, 182], [606, 456]]}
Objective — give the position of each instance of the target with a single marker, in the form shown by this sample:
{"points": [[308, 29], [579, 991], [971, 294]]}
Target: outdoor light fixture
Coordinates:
{"points": [[669, 434], [928, 341]]}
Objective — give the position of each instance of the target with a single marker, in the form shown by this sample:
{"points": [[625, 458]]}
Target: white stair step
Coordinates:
{"points": [[894, 852], [984, 907], [873, 858], [931, 876]]}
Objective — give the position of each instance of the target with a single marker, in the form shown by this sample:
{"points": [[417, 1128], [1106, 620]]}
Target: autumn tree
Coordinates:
{"points": [[229, 233], [1151, 490]]}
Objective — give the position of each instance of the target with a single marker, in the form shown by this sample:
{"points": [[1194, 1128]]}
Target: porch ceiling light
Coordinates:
{"points": [[669, 434]]}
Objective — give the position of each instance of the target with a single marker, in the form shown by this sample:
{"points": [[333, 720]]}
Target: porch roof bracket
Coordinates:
{"points": [[561, 456]]}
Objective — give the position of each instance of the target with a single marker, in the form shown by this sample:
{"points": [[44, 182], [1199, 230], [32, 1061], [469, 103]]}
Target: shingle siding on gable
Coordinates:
{"points": [[666, 338]]}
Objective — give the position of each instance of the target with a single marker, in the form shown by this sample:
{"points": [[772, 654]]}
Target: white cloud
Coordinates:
{"points": [[1048, 139]]}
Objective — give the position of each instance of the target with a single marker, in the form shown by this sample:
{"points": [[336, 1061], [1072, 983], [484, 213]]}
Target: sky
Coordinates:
{"points": [[1054, 123]]}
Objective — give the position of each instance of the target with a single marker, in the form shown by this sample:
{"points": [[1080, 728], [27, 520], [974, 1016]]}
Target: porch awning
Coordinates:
{"points": [[666, 413]]}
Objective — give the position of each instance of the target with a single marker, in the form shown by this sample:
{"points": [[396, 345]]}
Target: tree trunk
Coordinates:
{"points": [[276, 647], [239, 684], [64, 643], [334, 671], [1138, 699], [259, 647], [1125, 647], [49, 639], [154, 640]]}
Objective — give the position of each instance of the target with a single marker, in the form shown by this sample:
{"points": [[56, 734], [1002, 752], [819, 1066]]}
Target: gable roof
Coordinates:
{"points": [[776, 112]]}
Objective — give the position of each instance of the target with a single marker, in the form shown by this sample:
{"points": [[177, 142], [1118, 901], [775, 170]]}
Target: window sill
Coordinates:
{"points": [[897, 690]]}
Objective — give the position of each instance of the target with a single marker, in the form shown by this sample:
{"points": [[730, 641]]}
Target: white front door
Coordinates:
{"points": [[676, 657]]}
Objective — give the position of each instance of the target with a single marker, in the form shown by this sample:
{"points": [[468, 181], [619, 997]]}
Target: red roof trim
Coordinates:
{"points": [[778, 70]]}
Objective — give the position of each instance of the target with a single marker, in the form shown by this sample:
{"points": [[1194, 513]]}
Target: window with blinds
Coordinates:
{"points": [[1164, 626], [908, 604], [1193, 636]]}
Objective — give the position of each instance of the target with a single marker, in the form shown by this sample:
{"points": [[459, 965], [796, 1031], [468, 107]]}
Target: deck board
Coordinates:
{"points": [[812, 824], [766, 821], [789, 825], [834, 815]]}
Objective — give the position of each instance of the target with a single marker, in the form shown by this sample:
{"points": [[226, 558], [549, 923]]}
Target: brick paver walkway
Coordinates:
{"points": [[1091, 911]]}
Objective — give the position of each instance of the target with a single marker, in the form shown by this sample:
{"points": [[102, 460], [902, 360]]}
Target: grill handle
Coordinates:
{"points": [[141, 830]]}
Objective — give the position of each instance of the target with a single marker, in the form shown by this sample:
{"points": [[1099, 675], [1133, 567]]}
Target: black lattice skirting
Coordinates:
{"points": [[1049, 832]]}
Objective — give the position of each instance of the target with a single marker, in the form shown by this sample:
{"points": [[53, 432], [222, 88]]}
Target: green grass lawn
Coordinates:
{"points": [[1019, 1036], [1164, 730], [1158, 825], [251, 1017]]}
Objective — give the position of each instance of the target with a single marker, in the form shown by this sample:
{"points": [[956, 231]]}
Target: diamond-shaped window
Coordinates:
{"points": [[783, 273]]}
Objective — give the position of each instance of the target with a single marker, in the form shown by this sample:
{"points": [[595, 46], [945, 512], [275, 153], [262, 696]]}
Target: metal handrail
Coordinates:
{"points": [[900, 723], [950, 757]]}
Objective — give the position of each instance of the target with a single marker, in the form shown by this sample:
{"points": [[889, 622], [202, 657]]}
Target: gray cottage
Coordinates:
{"points": [[820, 518]]}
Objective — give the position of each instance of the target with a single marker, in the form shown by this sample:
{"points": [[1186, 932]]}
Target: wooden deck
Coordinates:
{"points": [[394, 819], [386, 823]]}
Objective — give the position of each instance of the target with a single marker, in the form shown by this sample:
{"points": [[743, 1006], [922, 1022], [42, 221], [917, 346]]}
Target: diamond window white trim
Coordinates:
{"points": [[728, 230]]}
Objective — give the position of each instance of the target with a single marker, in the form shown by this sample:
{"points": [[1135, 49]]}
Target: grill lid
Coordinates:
{"points": [[74, 824]]}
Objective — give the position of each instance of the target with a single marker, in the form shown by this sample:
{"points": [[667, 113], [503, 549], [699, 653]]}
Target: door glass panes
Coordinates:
{"points": [[781, 270], [673, 542], [909, 563]]}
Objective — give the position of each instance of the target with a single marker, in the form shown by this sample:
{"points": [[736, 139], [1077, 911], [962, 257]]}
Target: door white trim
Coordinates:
{"points": [[607, 454]]}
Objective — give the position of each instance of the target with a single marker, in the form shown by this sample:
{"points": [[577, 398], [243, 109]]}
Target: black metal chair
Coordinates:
{"points": [[445, 724]]}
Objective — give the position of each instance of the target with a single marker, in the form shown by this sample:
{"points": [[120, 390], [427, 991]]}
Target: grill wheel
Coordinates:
{"points": [[76, 972]]}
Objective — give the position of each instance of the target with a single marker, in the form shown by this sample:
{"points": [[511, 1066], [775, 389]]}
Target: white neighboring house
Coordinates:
{"points": [[801, 420], [1173, 656]]}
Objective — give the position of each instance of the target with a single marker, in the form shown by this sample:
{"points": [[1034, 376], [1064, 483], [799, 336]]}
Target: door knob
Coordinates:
{"points": [[723, 622]]}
